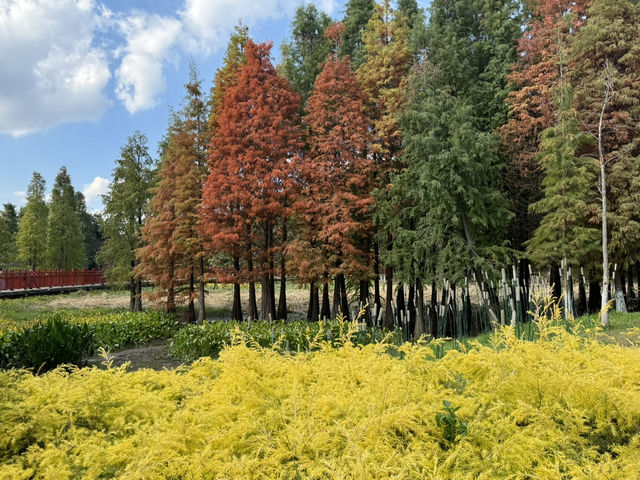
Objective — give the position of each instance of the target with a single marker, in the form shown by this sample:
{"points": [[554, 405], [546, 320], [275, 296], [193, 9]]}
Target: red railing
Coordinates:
{"points": [[32, 279]]}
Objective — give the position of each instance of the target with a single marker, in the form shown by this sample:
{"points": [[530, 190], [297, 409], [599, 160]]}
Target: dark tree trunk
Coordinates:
{"points": [[595, 297], [344, 300], [236, 313], [132, 289], [419, 327], [138, 306], [630, 294], [433, 311], [282, 300], [202, 312], [411, 307], [190, 314], [525, 283], [315, 304], [325, 312], [400, 304], [388, 311], [335, 306], [555, 281], [253, 304], [364, 301], [623, 286], [310, 304], [376, 280], [581, 304], [621, 306]]}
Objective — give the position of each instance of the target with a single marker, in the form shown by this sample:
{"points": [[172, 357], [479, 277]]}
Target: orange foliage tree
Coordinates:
{"points": [[251, 176]]}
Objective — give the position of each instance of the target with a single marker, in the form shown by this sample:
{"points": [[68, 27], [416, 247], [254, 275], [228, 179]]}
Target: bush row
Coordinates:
{"points": [[207, 340], [69, 338]]}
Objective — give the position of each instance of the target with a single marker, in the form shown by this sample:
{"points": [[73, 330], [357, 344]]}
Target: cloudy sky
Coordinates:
{"points": [[79, 76]]}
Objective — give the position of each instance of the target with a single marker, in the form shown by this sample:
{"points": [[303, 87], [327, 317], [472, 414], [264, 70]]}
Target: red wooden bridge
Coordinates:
{"points": [[15, 283]]}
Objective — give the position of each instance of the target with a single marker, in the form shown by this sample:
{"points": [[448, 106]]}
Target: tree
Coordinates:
{"points": [[227, 76], [65, 241], [8, 232], [564, 235], [383, 79], [302, 56], [356, 16], [535, 74], [90, 225], [156, 256], [126, 205], [31, 239], [250, 182], [607, 70], [336, 175]]}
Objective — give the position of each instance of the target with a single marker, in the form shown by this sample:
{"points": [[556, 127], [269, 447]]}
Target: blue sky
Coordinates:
{"points": [[79, 76]]}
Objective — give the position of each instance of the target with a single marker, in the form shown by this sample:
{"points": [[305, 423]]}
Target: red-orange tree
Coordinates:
{"points": [[336, 174], [251, 178], [531, 107]]}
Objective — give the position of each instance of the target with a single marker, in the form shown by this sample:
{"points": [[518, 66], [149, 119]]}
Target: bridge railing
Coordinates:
{"points": [[34, 279]]}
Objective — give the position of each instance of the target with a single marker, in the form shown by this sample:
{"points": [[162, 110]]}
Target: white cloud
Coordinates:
{"points": [[21, 197], [52, 71], [150, 43], [92, 192]]}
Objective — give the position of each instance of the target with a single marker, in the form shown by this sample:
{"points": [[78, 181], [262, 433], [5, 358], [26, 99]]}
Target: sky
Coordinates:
{"points": [[79, 76]]}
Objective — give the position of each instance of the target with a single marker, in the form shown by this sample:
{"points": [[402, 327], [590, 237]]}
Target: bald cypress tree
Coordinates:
{"points": [[65, 240], [356, 16], [31, 239]]}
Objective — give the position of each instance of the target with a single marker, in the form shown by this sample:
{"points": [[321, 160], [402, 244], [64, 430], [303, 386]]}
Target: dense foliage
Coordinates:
{"points": [[556, 408]]}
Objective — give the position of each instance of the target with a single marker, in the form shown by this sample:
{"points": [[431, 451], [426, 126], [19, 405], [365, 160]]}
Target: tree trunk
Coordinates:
{"points": [[581, 305], [595, 297], [629, 284], [555, 282], [190, 314], [138, 306], [236, 313], [388, 322], [202, 312], [253, 304], [132, 289], [310, 304], [344, 300], [604, 308], [171, 293], [376, 280], [411, 307], [282, 300], [315, 304], [325, 312], [433, 313], [335, 306], [621, 306], [364, 301], [418, 329], [400, 304]]}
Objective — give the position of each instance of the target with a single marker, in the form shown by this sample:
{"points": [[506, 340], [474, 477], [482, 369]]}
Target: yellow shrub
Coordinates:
{"points": [[559, 408]]}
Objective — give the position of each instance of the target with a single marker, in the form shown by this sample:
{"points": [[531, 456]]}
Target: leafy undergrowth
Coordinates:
{"points": [[207, 340], [69, 336], [562, 407]]}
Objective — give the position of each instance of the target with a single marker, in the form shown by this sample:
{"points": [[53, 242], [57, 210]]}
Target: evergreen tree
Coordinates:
{"points": [[8, 232], [65, 241], [356, 16], [564, 236], [90, 230], [531, 107], [302, 56], [607, 77], [126, 205], [31, 239]]}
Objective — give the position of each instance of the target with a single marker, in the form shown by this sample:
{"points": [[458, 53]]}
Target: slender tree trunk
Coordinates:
{"points": [[335, 307], [376, 280], [171, 292], [202, 313], [419, 327], [364, 300], [325, 311], [411, 306], [604, 308], [344, 300], [400, 304], [138, 307], [190, 314], [282, 301], [237, 301], [310, 304], [565, 288], [433, 317], [630, 284], [620, 303], [581, 306], [132, 289], [388, 313], [315, 304], [253, 304]]}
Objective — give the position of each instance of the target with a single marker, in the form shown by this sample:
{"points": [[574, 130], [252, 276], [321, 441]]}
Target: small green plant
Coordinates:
{"points": [[451, 425]]}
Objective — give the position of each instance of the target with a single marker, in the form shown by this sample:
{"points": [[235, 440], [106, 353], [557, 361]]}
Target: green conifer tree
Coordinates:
{"points": [[31, 238]]}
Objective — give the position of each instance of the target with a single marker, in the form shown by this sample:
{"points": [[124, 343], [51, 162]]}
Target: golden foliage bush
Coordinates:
{"points": [[562, 407]]}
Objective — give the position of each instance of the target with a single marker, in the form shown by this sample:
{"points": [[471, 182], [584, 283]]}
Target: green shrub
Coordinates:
{"points": [[46, 345], [132, 328], [208, 339]]}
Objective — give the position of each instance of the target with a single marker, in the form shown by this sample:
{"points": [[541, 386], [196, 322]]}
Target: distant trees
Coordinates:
{"points": [[31, 239], [126, 205], [8, 232]]}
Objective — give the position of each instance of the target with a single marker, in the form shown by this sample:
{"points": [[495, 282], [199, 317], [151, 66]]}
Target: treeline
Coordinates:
{"points": [[430, 151], [50, 233]]}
